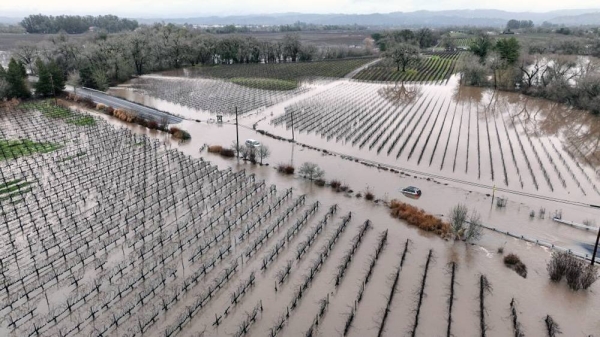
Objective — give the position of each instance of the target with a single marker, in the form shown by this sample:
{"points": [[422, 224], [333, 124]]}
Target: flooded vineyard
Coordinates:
{"points": [[109, 232], [468, 135], [492, 138], [215, 96]]}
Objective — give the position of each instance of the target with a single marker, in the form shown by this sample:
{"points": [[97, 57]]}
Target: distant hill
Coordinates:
{"points": [[480, 17], [578, 20], [9, 20]]}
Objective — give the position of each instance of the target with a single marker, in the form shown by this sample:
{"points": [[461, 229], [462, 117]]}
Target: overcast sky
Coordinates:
{"points": [[188, 8]]}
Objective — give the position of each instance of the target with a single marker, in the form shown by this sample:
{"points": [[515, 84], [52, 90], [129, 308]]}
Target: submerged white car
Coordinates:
{"points": [[411, 190], [252, 143]]}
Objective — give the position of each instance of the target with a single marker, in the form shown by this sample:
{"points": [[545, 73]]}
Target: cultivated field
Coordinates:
{"points": [[471, 135], [108, 232], [284, 72], [432, 67], [247, 87], [479, 136], [321, 39], [214, 96]]}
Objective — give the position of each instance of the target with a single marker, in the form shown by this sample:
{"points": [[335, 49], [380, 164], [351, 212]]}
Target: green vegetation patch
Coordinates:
{"points": [[79, 154], [59, 112], [10, 189], [13, 186], [12, 149], [266, 83], [291, 72], [431, 67]]}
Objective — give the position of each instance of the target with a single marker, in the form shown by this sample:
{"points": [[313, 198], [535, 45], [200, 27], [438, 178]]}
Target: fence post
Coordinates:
{"points": [[596, 247]]}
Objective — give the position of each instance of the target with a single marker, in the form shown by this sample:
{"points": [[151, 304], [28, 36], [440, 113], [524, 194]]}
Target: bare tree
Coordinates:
{"points": [[263, 152], [27, 52], [458, 217], [74, 80], [402, 54], [311, 171], [291, 46], [474, 231], [531, 67]]}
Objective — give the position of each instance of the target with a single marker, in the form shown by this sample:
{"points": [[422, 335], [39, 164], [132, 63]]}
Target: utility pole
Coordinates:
{"points": [[596, 248], [293, 138], [237, 136], [53, 90]]}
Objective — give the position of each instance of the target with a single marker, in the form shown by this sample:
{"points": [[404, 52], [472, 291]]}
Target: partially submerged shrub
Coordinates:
{"points": [[511, 259], [215, 149], [229, 153], [513, 262], [88, 102], [335, 184], [124, 115], [417, 217], [286, 169], [578, 273], [181, 134], [320, 182]]}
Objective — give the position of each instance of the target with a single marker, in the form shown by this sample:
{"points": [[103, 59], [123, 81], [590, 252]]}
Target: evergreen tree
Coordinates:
{"points": [[4, 87], [481, 46], [58, 77], [508, 50], [22, 69], [87, 80], [43, 87], [16, 80]]}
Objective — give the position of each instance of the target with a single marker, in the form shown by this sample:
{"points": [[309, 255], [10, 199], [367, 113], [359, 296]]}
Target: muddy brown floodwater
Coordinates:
{"points": [[528, 141], [535, 296], [232, 265]]}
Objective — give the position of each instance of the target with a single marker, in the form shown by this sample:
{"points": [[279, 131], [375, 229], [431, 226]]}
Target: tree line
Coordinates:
{"points": [[100, 60], [519, 24], [75, 24], [507, 65]]}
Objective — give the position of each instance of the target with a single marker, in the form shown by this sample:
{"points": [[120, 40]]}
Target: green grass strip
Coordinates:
{"points": [[265, 83], [79, 154], [54, 111], [9, 183], [13, 188], [12, 149]]}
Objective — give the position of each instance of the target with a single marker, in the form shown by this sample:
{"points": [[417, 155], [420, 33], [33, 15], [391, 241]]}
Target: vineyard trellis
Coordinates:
{"points": [[105, 231], [436, 67], [438, 131]]}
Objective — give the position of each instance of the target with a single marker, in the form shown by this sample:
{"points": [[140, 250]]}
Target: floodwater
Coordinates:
{"points": [[534, 295], [529, 142], [478, 137], [122, 176]]}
